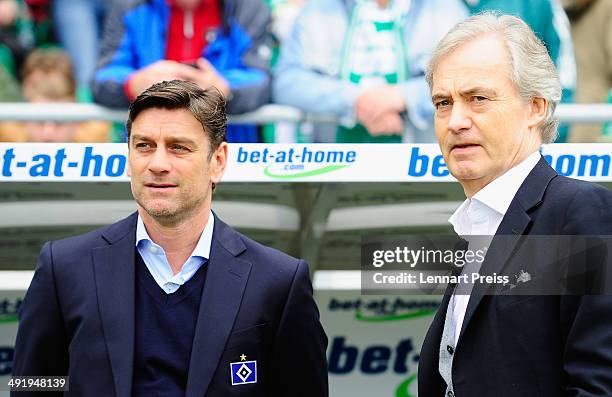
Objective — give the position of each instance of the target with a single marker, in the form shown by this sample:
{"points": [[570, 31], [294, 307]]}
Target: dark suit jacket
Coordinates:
{"points": [[527, 345], [77, 318]]}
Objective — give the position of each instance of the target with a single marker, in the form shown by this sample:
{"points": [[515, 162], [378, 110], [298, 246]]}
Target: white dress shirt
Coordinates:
{"points": [[156, 261], [482, 214]]}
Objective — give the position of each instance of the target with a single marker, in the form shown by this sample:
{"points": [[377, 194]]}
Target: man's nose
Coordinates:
{"points": [[160, 161], [460, 118]]}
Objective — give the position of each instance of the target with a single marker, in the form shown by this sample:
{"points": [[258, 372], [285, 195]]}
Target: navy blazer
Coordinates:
{"points": [[527, 345], [77, 318]]}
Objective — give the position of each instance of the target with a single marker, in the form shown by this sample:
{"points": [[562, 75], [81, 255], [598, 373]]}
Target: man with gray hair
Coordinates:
{"points": [[495, 89]]}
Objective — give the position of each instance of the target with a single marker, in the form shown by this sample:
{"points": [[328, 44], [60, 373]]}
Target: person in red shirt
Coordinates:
{"points": [[222, 44], [193, 24]]}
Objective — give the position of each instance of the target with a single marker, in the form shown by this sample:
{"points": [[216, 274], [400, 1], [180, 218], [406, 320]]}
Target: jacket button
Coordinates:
{"points": [[450, 393], [450, 349]]}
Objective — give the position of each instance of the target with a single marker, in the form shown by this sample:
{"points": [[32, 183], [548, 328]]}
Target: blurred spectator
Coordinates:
{"points": [[607, 131], [363, 61], [9, 86], [591, 22], [78, 25], [48, 78], [16, 35], [284, 13], [225, 44], [549, 22], [39, 10]]}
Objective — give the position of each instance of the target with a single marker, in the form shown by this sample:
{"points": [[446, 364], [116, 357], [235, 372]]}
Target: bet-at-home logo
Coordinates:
{"points": [[376, 359], [384, 309], [9, 310], [297, 163], [401, 358]]}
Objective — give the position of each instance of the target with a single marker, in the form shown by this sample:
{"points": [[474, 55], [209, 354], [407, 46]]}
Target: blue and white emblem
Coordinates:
{"points": [[243, 372]]}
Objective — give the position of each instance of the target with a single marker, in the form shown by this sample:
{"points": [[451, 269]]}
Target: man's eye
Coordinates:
{"points": [[143, 145], [179, 148], [480, 98], [442, 104]]}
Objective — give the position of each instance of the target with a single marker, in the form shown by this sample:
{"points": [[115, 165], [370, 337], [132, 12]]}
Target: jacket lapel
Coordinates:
{"points": [[114, 274], [515, 223], [226, 279]]}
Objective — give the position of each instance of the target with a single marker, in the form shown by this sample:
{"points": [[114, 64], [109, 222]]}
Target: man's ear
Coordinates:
{"points": [[218, 162], [537, 111]]}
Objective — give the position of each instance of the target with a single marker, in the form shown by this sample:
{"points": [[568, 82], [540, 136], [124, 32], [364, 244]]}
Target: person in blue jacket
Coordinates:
{"points": [[225, 44]]}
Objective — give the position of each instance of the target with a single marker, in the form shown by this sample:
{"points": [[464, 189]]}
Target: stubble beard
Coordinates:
{"points": [[171, 216]]}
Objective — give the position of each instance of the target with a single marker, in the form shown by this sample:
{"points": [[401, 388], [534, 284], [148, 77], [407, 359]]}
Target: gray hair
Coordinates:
{"points": [[531, 70]]}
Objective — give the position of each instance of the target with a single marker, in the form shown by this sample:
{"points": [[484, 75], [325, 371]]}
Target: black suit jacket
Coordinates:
{"points": [[77, 318], [527, 345]]}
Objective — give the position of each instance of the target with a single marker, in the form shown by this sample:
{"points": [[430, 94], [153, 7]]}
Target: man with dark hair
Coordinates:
{"points": [[171, 301]]}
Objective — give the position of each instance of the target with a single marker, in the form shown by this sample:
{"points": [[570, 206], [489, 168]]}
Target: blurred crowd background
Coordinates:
{"points": [[361, 62]]}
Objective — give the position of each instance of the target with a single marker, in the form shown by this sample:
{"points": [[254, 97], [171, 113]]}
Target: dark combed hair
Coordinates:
{"points": [[207, 106]]}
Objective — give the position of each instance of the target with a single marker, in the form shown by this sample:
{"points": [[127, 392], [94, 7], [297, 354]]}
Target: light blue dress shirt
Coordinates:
{"points": [[156, 261]]}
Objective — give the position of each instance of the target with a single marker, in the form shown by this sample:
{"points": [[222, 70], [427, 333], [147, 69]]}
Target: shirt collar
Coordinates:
{"points": [[499, 193], [456, 218], [202, 248]]}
